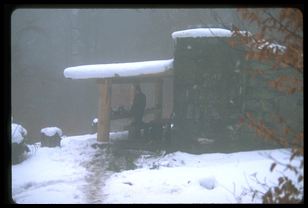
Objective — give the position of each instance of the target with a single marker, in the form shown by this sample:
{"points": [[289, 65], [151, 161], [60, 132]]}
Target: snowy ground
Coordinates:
{"points": [[77, 173]]}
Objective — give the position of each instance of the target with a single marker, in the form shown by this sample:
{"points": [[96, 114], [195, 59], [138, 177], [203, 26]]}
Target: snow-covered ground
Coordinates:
{"points": [[76, 173]]}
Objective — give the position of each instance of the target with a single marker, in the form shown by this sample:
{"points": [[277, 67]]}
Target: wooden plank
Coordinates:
{"points": [[127, 115], [104, 111], [159, 98]]}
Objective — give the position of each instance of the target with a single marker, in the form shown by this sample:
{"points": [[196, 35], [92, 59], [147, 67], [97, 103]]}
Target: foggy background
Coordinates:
{"points": [[46, 41]]}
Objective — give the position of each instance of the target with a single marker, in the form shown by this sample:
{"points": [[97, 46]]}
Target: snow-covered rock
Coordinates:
{"points": [[18, 133], [51, 137], [51, 131], [208, 183], [18, 147]]}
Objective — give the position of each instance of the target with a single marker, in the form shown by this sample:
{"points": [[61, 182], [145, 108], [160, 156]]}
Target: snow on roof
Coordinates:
{"points": [[118, 69], [18, 133], [205, 32], [51, 131], [219, 32], [202, 32]]}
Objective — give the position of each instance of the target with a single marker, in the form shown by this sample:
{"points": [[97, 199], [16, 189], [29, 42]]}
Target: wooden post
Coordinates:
{"points": [[159, 98], [131, 94], [104, 110]]}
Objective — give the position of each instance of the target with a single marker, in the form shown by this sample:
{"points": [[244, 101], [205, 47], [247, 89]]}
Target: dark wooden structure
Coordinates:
{"points": [[215, 86], [208, 86]]}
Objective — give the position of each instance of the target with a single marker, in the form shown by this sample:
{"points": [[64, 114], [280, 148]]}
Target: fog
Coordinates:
{"points": [[46, 41]]}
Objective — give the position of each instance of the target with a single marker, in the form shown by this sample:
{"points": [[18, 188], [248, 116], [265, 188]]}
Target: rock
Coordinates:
{"points": [[208, 183], [51, 137], [19, 151], [18, 147]]}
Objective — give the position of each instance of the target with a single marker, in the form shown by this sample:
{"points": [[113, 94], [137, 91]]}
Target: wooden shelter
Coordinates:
{"points": [[208, 83], [122, 73], [212, 88]]}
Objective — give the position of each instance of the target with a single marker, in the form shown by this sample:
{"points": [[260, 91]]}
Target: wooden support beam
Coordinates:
{"points": [[138, 79], [159, 98], [104, 110]]}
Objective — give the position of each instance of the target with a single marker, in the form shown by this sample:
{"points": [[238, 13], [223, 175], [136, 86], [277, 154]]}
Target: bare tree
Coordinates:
{"points": [[278, 44]]}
